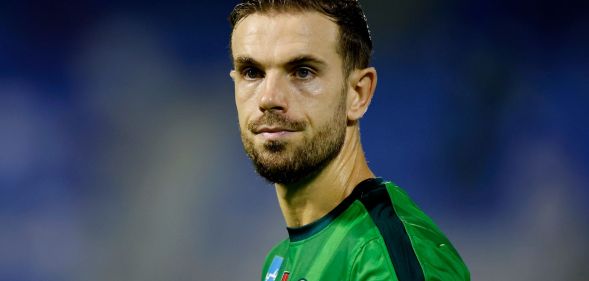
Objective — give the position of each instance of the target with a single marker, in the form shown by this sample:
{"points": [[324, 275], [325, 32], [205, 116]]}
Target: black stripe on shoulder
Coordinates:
{"points": [[377, 202]]}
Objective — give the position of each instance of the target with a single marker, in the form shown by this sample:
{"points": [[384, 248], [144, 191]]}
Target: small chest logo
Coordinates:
{"points": [[274, 268]]}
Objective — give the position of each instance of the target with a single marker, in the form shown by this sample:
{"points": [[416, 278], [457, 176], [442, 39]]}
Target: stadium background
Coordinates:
{"points": [[120, 157]]}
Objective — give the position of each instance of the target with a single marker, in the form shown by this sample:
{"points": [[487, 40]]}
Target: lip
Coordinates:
{"points": [[272, 130], [273, 133]]}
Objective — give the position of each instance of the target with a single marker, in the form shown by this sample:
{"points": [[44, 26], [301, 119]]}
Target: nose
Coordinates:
{"points": [[273, 93]]}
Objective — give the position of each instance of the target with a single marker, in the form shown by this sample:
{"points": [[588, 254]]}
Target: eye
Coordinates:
{"points": [[303, 73], [251, 73]]}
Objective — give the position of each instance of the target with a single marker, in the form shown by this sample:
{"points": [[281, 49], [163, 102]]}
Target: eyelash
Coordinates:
{"points": [[246, 71], [309, 71]]}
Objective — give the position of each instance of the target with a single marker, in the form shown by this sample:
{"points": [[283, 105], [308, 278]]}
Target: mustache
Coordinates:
{"points": [[273, 119]]}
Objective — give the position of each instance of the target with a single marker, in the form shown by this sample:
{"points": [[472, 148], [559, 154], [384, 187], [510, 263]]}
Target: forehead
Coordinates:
{"points": [[277, 37]]}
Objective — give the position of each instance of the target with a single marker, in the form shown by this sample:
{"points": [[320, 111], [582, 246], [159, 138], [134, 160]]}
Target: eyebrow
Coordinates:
{"points": [[241, 61], [306, 59]]}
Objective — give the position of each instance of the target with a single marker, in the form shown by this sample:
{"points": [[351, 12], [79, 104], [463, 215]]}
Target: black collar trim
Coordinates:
{"points": [[301, 233]]}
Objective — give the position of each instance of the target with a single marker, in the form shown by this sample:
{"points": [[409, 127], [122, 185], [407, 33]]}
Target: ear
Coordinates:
{"points": [[362, 83], [233, 74]]}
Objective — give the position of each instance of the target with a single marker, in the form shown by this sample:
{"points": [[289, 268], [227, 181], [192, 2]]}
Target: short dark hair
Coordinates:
{"points": [[355, 43]]}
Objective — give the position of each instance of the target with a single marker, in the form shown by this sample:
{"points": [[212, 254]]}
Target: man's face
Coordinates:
{"points": [[290, 93]]}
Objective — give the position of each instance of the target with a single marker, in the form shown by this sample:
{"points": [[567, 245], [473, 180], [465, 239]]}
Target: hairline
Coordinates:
{"points": [[339, 48]]}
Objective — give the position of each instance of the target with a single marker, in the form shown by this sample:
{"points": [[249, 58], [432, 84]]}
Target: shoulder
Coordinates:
{"points": [[416, 247], [278, 251], [425, 245]]}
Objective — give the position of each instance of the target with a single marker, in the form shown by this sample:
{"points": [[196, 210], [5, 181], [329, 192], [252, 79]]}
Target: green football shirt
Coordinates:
{"points": [[376, 233]]}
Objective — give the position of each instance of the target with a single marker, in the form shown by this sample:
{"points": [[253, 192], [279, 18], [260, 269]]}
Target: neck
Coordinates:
{"points": [[305, 202]]}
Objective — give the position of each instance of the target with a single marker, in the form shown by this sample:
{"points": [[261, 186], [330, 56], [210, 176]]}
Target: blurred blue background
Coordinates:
{"points": [[120, 156]]}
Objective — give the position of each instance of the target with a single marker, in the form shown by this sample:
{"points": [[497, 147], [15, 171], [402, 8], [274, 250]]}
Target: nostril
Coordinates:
{"points": [[272, 102], [272, 108]]}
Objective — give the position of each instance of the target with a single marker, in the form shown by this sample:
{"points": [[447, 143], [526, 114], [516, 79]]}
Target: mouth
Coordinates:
{"points": [[273, 133], [264, 129]]}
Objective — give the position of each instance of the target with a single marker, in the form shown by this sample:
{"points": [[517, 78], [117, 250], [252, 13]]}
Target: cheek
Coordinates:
{"points": [[311, 88], [242, 114], [319, 99], [245, 90], [246, 108], [245, 100]]}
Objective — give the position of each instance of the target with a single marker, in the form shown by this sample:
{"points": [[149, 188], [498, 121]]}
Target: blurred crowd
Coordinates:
{"points": [[120, 156]]}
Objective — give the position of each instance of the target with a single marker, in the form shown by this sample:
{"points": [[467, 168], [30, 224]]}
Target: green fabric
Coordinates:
{"points": [[438, 258], [351, 247]]}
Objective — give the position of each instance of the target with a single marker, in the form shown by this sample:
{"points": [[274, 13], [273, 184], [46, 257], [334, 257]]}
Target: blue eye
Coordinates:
{"points": [[303, 73]]}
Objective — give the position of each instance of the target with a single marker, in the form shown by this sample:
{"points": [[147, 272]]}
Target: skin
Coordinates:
{"points": [[268, 77]]}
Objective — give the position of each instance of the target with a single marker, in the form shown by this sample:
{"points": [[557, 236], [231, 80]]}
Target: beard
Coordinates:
{"points": [[288, 162]]}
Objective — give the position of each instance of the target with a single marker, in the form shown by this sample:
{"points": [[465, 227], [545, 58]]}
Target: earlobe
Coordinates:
{"points": [[362, 86]]}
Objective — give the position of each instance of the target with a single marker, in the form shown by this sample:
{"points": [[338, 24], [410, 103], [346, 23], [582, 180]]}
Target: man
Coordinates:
{"points": [[302, 83]]}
